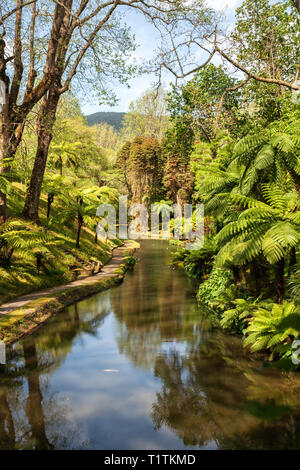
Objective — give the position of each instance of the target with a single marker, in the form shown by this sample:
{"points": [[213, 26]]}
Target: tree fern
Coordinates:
{"points": [[270, 229], [268, 327], [24, 239]]}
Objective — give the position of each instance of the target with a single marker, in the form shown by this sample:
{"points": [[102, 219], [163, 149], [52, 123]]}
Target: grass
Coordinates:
{"points": [[26, 319], [64, 262]]}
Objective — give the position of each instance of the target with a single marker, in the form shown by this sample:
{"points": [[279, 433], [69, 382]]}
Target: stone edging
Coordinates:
{"points": [[23, 321]]}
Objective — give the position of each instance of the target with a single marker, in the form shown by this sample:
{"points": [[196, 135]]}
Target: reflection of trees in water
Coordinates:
{"points": [[157, 307], [141, 333], [32, 416], [207, 396], [26, 395], [7, 429], [58, 337], [34, 408], [212, 391]]}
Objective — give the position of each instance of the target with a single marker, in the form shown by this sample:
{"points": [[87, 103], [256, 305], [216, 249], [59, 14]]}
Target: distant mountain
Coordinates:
{"points": [[111, 118]]}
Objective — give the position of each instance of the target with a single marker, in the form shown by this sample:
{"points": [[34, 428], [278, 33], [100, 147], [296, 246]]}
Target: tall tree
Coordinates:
{"points": [[22, 89], [65, 71], [142, 163], [104, 40], [147, 116]]}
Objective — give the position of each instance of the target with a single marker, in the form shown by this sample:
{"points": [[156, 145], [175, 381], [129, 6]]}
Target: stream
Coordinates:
{"points": [[138, 367]]}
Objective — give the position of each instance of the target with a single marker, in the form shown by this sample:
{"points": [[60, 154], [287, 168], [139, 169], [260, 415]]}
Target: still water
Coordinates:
{"points": [[135, 367]]}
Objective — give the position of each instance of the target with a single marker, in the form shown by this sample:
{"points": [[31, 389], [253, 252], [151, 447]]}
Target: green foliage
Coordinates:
{"points": [[24, 239], [5, 185], [163, 208], [33, 258], [236, 318], [197, 263], [266, 37], [294, 285], [193, 107], [217, 290], [271, 153], [147, 116], [130, 262], [273, 328], [270, 228], [142, 163]]}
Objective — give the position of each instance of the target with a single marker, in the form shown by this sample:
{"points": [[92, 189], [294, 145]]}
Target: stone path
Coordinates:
{"points": [[107, 270]]}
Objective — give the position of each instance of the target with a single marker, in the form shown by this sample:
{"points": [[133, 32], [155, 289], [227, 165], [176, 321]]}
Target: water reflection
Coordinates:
{"points": [[134, 367]]}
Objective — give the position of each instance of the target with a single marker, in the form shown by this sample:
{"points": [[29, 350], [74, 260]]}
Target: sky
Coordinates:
{"points": [[147, 39]]}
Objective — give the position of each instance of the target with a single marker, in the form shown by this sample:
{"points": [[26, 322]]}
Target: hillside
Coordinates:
{"points": [[112, 118], [60, 262]]}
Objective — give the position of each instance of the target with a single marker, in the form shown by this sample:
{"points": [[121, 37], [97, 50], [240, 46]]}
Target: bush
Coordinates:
{"points": [[218, 290], [236, 318], [274, 328]]}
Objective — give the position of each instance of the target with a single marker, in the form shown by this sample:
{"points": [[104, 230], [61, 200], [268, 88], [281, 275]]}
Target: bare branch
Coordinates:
{"points": [[88, 43], [18, 7], [18, 64], [292, 86], [223, 97]]}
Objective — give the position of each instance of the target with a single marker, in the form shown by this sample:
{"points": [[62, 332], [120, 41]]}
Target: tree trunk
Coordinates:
{"points": [[5, 129], [203, 270], [14, 114], [50, 200], [7, 429], [3, 204], [45, 122], [6, 253], [236, 274], [293, 258], [34, 403], [255, 273], [4, 169], [10, 136], [279, 280], [243, 275], [38, 264], [79, 226], [5, 139]]}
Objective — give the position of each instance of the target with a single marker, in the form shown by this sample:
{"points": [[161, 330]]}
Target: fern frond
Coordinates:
{"points": [[248, 144]]}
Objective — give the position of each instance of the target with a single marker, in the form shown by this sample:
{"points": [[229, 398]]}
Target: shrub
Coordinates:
{"points": [[274, 328], [218, 290]]}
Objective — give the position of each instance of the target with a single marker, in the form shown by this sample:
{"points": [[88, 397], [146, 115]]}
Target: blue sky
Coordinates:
{"points": [[147, 39]]}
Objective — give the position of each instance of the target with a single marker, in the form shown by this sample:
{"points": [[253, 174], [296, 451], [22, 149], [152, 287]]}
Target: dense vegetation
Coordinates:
{"points": [[240, 146], [61, 245]]}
